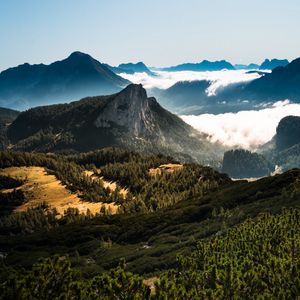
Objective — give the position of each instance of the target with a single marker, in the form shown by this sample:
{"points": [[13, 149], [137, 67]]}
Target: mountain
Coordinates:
{"points": [[127, 119], [205, 65], [131, 68], [245, 164], [77, 76], [246, 67], [274, 63], [184, 96], [139, 67]]}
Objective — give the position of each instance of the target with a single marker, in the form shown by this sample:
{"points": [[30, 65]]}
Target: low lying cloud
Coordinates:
{"points": [[218, 79], [246, 129]]}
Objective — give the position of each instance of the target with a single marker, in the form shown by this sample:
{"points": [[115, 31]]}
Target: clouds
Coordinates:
{"points": [[246, 129], [218, 79]]}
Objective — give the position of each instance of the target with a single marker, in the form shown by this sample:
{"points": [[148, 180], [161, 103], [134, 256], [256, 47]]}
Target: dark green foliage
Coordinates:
{"points": [[242, 164], [7, 182], [7, 116], [154, 192], [257, 259], [53, 278], [10, 200]]}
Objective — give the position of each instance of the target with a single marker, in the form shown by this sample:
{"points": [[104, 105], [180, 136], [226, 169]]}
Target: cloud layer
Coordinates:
{"points": [[218, 79], [246, 129]]}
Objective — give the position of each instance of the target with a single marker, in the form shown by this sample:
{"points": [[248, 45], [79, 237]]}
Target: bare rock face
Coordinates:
{"points": [[130, 109]]}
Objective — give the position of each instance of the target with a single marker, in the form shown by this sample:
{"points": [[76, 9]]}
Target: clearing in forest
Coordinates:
{"points": [[166, 168], [41, 187]]}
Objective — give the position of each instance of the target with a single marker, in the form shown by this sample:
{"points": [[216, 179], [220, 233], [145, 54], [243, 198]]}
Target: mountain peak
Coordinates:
{"points": [[78, 54], [134, 91]]}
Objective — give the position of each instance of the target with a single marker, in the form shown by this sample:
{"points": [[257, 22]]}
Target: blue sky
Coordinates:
{"points": [[159, 32]]}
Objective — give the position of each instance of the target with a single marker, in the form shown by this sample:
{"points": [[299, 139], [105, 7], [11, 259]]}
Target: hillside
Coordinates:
{"points": [[79, 75], [207, 208], [128, 119]]}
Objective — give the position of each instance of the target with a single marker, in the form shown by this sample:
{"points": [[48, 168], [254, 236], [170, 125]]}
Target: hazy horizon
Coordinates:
{"points": [[158, 33]]}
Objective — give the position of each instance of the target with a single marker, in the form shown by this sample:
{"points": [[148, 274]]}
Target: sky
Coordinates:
{"points": [[158, 32]]}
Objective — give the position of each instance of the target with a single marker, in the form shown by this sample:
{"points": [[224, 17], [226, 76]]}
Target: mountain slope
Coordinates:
{"points": [[142, 238], [77, 76], [127, 119]]}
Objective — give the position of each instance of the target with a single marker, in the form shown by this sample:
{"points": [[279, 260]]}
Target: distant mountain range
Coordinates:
{"points": [[128, 119], [267, 64], [205, 65], [191, 97], [77, 76], [247, 67], [131, 68]]}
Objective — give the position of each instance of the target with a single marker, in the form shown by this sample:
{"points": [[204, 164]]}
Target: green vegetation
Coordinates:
{"points": [[259, 258], [200, 234]]}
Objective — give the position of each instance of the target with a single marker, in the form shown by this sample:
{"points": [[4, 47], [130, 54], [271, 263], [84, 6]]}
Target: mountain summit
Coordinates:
{"points": [[76, 76]]}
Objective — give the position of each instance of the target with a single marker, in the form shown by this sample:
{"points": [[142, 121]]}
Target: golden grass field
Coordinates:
{"points": [[42, 187], [166, 168]]}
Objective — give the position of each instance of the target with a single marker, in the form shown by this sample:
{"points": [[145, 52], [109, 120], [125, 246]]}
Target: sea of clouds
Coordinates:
{"points": [[244, 129], [218, 79]]}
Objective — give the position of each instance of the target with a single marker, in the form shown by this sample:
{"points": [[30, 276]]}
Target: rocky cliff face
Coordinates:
{"points": [[130, 109]]}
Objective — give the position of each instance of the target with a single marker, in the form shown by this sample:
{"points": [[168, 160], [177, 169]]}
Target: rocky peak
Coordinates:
{"points": [[131, 109]]}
